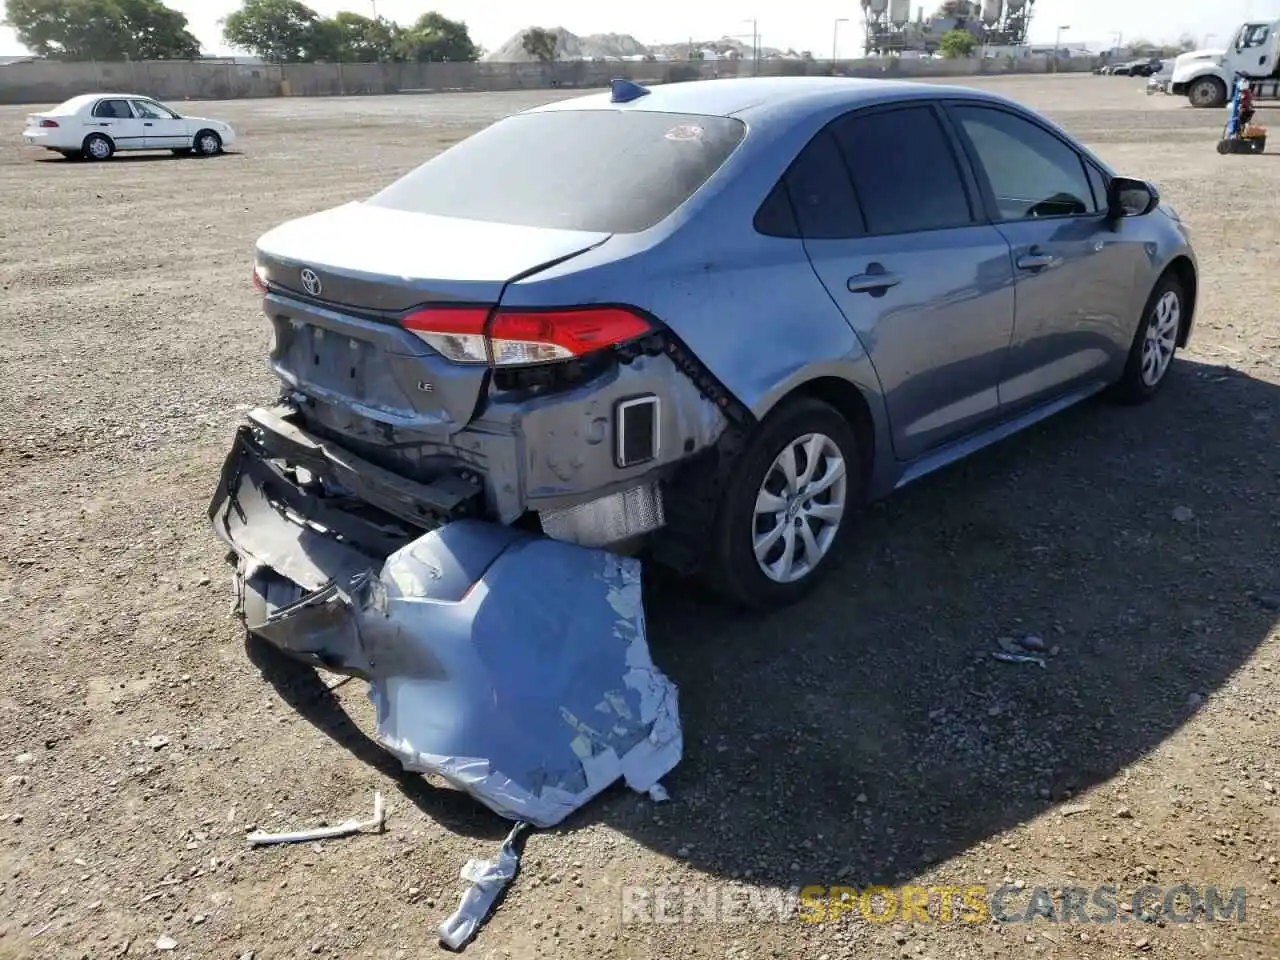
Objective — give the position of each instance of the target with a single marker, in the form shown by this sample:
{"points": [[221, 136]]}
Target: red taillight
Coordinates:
{"points": [[49, 124], [525, 336]]}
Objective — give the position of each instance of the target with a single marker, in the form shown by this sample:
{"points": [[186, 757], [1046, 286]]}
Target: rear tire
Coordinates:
{"points": [[1207, 92], [1154, 343], [774, 540], [98, 146]]}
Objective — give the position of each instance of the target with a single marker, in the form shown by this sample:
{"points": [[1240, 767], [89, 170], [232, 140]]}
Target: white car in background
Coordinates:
{"points": [[96, 126], [1159, 81]]}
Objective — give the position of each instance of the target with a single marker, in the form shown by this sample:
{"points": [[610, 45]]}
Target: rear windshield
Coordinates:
{"points": [[605, 171], [69, 106]]}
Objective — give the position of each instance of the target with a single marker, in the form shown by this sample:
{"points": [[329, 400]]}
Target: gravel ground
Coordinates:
{"points": [[858, 739]]}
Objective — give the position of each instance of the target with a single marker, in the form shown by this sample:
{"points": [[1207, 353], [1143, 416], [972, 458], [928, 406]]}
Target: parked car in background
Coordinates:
{"points": [[1146, 68], [1161, 80], [712, 317], [97, 126]]}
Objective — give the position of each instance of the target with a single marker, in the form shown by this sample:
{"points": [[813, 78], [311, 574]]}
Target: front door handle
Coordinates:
{"points": [[1035, 259], [876, 281], [147, 124]]}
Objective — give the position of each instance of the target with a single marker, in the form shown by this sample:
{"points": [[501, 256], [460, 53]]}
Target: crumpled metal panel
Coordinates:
{"points": [[535, 691], [514, 666]]}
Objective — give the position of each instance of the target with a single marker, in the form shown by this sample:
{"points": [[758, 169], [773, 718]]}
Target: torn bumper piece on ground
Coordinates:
{"points": [[512, 665]]}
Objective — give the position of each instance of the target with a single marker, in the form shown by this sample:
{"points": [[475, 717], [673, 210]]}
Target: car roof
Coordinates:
{"points": [[794, 96], [82, 101]]}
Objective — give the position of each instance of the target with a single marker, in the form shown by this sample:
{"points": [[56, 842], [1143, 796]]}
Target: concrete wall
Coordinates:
{"points": [[48, 82]]}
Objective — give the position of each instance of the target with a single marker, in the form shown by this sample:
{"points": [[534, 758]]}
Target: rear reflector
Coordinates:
{"points": [[525, 336]]}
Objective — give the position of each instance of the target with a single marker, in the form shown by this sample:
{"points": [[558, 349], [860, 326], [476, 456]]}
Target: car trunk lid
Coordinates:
{"points": [[340, 283]]}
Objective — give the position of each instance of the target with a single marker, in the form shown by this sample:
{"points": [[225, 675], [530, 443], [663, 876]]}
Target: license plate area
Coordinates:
{"points": [[337, 362]]}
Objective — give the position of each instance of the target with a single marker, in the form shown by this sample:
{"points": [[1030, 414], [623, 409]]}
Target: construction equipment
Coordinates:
{"points": [[1241, 134]]}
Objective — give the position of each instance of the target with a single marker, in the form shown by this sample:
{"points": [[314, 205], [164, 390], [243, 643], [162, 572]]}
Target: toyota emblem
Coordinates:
{"points": [[311, 282]]}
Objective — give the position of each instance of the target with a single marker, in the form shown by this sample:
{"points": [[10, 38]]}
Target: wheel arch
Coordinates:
{"points": [[1181, 268], [200, 132], [850, 401], [84, 144]]}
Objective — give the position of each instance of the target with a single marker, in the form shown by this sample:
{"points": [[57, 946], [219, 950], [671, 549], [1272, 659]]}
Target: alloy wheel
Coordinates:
{"points": [[799, 507], [1161, 338]]}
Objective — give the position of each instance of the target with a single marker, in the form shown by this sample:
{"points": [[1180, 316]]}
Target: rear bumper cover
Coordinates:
{"points": [[514, 666]]}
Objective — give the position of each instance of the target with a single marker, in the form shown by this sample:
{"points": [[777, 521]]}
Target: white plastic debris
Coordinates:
{"points": [[377, 823], [1019, 658], [488, 878]]}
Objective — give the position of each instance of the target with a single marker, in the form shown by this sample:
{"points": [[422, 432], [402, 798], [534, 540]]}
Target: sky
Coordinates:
{"points": [[782, 23]]}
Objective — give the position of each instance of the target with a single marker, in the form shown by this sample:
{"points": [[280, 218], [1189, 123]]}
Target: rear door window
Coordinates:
{"points": [[113, 110], [606, 171], [1032, 173], [821, 194], [904, 170]]}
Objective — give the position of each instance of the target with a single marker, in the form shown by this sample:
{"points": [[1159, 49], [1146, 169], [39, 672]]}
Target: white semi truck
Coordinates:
{"points": [[1205, 77]]}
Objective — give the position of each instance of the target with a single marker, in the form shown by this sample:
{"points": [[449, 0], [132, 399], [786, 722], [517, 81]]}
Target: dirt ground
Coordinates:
{"points": [[862, 738]]}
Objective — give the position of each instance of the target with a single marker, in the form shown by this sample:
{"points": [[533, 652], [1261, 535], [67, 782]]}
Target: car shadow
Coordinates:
{"points": [[866, 733], [302, 688], [158, 157]]}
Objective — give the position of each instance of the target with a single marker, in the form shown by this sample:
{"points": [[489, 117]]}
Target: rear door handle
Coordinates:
{"points": [[1034, 259], [147, 124], [876, 281]]}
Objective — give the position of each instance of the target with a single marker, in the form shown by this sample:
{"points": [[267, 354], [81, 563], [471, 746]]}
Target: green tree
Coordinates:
{"points": [[279, 31], [101, 29], [159, 32], [956, 44], [540, 44], [356, 39], [436, 37]]}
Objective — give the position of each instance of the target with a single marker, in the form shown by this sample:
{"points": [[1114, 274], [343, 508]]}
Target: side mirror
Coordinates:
{"points": [[1127, 197]]}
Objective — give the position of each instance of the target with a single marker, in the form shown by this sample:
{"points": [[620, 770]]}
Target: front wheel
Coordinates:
{"points": [[1154, 343], [1207, 92], [788, 507], [208, 143]]}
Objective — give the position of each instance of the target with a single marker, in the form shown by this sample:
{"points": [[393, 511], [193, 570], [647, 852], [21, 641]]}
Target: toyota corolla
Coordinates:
{"points": [[709, 319]]}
